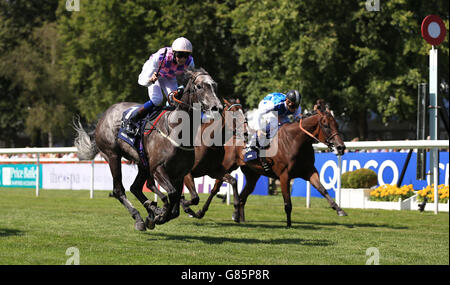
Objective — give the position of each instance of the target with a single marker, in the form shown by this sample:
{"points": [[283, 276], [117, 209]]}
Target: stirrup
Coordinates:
{"points": [[130, 128]]}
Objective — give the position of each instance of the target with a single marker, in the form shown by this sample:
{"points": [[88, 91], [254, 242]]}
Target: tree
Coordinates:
{"points": [[19, 19], [108, 41], [106, 44], [207, 24], [32, 67], [357, 60]]}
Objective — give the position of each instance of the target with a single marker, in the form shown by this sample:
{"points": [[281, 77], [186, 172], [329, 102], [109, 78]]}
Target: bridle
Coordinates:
{"points": [[327, 141], [173, 94]]}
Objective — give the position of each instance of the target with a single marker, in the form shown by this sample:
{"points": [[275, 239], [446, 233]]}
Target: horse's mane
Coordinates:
{"points": [[191, 74], [319, 106]]}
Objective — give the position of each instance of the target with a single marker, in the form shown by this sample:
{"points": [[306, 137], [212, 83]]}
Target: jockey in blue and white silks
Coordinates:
{"points": [[273, 111]]}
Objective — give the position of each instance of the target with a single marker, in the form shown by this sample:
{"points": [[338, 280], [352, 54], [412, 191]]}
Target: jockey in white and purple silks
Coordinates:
{"points": [[173, 61], [273, 111]]}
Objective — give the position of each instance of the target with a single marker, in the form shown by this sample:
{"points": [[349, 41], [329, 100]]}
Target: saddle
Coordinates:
{"points": [[145, 127], [254, 155]]}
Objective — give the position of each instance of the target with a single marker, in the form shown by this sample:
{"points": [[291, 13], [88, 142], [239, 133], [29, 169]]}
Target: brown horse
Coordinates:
{"points": [[168, 160], [209, 158], [293, 157]]}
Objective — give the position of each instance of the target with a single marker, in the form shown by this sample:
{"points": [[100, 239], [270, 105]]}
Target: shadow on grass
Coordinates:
{"points": [[355, 225], [303, 225], [221, 240], [10, 232]]}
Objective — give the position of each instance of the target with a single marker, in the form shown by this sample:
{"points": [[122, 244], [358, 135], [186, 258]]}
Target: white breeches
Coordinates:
{"points": [[162, 84]]}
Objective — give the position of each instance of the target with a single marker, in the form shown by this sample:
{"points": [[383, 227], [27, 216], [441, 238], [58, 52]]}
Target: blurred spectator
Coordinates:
{"points": [[356, 139]]}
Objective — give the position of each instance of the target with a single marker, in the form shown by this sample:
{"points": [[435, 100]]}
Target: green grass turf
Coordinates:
{"points": [[39, 230]]}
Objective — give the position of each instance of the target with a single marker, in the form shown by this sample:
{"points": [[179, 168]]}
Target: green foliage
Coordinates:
{"points": [[358, 61], [35, 96], [360, 178], [108, 41], [105, 49]]}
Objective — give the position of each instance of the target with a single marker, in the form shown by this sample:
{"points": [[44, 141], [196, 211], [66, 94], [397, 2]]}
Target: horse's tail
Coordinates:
{"points": [[84, 142]]}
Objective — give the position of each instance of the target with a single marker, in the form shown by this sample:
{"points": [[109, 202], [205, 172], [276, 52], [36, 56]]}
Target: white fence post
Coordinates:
{"points": [[308, 194], [338, 192], [92, 179], [37, 175]]}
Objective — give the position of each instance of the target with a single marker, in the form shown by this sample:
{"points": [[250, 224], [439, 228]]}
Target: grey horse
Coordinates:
{"points": [[168, 159]]}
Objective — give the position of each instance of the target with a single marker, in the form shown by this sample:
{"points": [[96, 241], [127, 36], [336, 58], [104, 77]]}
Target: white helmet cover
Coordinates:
{"points": [[182, 44]]}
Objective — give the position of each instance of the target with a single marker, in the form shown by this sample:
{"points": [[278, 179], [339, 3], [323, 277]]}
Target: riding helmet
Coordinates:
{"points": [[294, 96], [182, 44]]}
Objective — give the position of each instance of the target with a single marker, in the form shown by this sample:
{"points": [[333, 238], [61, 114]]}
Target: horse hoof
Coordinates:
{"points": [[200, 214], [195, 201], [160, 220], [150, 223], [341, 213], [236, 218], [140, 226]]}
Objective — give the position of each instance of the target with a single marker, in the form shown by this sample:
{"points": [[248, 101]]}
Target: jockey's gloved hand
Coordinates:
{"points": [[180, 91]]}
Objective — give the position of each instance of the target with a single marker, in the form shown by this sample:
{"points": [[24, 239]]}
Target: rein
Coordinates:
{"points": [[306, 132], [178, 101]]}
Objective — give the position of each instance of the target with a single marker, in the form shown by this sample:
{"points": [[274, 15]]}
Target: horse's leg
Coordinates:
{"points": [[164, 181], [119, 192], [152, 206], [136, 189], [251, 178], [285, 184], [190, 185], [175, 201], [315, 181], [233, 182], [201, 213]]}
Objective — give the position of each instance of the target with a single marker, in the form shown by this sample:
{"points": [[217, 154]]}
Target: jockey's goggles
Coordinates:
{"points": [[182, 54]]}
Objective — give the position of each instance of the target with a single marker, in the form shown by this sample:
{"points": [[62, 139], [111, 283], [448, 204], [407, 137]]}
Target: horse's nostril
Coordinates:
{"points": [[214, 109]]}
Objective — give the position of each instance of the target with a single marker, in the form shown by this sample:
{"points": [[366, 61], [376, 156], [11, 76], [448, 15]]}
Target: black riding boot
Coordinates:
{"points": [[130, 125]]}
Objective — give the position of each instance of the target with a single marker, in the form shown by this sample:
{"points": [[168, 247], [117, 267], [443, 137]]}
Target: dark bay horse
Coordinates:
{"points": [[168, 160], [209, 158], [293, 157]]}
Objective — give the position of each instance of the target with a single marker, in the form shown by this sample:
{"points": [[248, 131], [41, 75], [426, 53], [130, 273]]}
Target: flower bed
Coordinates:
{"points": [[390, 197], [391, 193], [429, 193]]}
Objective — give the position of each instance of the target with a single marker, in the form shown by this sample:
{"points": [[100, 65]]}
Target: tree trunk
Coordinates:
{"points": [[359, 125], [50, 139]]}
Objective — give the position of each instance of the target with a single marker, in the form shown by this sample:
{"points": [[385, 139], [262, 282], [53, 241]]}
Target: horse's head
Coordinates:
{"points": [[201, 89], [327, 128]]}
